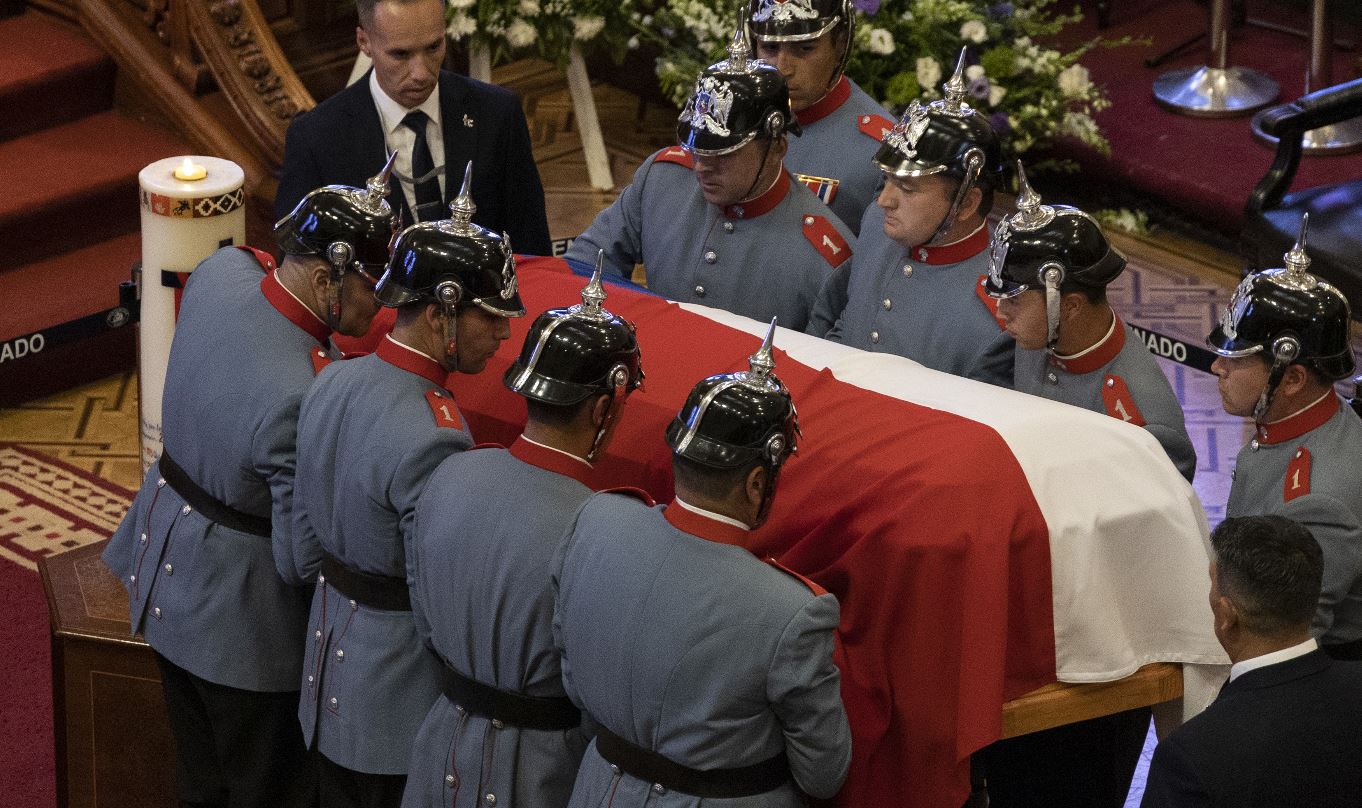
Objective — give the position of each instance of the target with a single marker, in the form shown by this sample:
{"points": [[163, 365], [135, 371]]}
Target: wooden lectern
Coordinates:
{"points": [[113, 742]]}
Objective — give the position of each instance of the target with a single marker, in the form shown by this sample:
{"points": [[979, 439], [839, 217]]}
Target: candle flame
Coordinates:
{"points": [[189, 170]]}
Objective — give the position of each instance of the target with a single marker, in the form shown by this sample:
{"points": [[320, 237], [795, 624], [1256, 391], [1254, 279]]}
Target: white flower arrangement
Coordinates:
{"points": [[1032, 93], [549, 28]]}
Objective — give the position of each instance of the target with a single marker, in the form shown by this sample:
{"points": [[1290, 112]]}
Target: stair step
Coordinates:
{"points": [[49, 74], [74, 185], [66, 287]]}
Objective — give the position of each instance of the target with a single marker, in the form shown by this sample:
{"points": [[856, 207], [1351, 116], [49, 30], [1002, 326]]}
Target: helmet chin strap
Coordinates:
{"points": [[974, 163], [1284, 351], [447, 293], [761, 169], [619, 384], [338, 255], [1053, 276]]}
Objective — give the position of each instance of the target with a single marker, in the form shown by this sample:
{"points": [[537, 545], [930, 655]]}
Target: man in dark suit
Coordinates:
{"points": [[435, 120], [1284, 730]]}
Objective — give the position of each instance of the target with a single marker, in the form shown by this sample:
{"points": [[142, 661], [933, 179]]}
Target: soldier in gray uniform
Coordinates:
{"points": [[708, 672], [205, 551], [1283, 341], [718, 220], [370, 432], [503, 732], [916, 282], [809, 41], [1049, 272]]}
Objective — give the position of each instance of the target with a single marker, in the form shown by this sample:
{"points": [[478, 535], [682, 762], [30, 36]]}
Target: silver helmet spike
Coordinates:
{"points": [[1297, 261], [461, 210], [761, 363], [593, 294], [739, 50], [373, 199], [954, 90], [1031, 214]]}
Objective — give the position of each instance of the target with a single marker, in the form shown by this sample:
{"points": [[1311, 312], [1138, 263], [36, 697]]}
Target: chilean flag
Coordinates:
{"points": [[982, 542]]}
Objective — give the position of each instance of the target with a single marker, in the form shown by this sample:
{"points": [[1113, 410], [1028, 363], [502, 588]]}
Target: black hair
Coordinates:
{"points": [[708, 481], [1272, 569]]}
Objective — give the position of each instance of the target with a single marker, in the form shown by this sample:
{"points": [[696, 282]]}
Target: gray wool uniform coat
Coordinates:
{"points": [[370, 433], [834, 154], [682, 642], [224, 604], [1119, 377], [769, 257], [479, 564], [925, 303], [1308, 467]]}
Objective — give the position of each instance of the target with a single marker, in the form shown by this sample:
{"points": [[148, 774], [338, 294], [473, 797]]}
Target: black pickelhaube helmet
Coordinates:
{"points": [[731, 419], [946, 137], [1052, 248], [733, 102], [571, 353], [453, 262], [1289, 316], [348, 227], [801, 21]]}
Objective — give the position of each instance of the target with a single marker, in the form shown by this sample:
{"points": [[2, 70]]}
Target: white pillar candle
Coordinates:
{"points": [[183, 222]]}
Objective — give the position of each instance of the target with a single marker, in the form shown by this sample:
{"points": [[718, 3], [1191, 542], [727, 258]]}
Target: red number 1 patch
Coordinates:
{"points": [[443, 408]]}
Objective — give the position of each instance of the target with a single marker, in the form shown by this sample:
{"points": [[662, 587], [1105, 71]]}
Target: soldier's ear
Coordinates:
{"points": [[1295, 379]]}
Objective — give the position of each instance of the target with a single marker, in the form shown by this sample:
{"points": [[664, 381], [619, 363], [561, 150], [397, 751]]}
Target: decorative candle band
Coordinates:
{"points": [[204, 207]]}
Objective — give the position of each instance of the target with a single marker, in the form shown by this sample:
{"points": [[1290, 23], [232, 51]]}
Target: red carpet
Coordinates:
{"points": [[45, 506], [1203, 168]]}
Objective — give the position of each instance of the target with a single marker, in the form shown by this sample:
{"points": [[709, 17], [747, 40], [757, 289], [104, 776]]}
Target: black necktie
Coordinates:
{"points": [[429, 204]]}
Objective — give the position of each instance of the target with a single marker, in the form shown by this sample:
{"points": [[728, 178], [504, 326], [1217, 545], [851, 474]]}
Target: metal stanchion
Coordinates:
{"points": [[1215, 90], [1338, 138]]}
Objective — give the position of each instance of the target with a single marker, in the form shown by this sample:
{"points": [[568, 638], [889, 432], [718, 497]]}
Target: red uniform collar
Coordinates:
{"points": [[967, 247], [412, 361], [549, 459], [1293, 426], [697, 524], [1098, 355], [826, 105], [293, 309], [765, 203]]}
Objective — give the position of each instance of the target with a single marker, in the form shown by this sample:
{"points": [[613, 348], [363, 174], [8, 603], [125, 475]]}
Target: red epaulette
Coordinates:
{"points": [[813, 587], [1297, 482], [826, 240], [874, 126], [1118, 400], [990, 302], [443, 408], [631, 491], [320, 359], [266, 260], [676, 154]]}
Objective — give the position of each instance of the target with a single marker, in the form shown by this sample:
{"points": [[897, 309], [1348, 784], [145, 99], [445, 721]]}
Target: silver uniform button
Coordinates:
{"points": [[132, 579], [615, 769], [907, 270], [459, 709], [309, 678], [1051, 378], [875, 336], [354, 606], [491, 799], [340, 653], [321, 579], [711, 256], [170, 569], [1253, 445], [497, 723], [333, 701], [888, 304], [160, 482], [658, 788], [157, 611], [922, 254], [699, 291], [143, 540], [186, 509], [449, 779], [1298, 453], [729, 227], [319, 634]]}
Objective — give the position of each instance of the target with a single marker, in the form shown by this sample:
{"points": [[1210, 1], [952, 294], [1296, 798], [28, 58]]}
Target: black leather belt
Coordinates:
{"points": [[375, 591], [528, 712], [645, 764], [206, 504]]}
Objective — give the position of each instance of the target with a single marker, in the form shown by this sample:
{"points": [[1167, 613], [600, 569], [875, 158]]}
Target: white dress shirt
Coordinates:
{"points": [[1244, 666], [401, 139]]}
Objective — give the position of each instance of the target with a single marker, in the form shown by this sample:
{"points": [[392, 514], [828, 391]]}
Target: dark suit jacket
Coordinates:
{"points": [[1282, 736], [341, 141]]}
